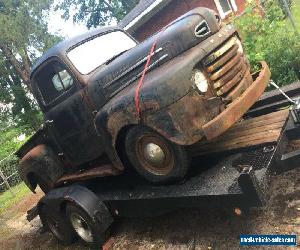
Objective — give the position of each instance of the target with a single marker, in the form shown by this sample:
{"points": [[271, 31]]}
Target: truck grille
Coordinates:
{"points": [[228, 70]]}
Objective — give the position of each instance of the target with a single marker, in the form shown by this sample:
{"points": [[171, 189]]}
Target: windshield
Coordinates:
{"points": [[93, 53]]}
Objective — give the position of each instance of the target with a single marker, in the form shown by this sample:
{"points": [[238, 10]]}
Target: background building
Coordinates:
{"points": [[149, 16]]}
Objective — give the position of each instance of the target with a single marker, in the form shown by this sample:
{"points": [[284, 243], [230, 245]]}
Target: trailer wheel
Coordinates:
{"points": [[58, 225], [85, 227], [154, 157]]}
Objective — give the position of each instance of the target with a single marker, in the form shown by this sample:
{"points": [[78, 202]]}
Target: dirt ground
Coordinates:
{"points": [[184, 229]]}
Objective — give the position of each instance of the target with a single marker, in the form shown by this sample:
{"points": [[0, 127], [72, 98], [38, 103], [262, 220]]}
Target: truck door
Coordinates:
{"points": [[67, 114]]}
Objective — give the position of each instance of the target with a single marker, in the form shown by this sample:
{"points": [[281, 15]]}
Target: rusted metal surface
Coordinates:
{"points": [[39, 138], [89, 120], [34, 153], [219, 52], [240, 88], [174, 101], [235, 80], [101, 171], [186, 117], [229, 76], [231, 53], [225, 68], [40, 166], [239, 106], [229, 71]]}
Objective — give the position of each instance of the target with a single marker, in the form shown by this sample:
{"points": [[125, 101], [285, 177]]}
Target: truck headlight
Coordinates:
{"points": [[200, 81]]}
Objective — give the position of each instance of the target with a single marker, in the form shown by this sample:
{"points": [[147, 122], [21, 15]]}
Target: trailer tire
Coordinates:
{"points": [[85, 227], [154, 157], [57, 225]]}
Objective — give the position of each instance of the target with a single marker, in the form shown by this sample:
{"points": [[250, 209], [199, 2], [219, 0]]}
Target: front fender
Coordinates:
{"points": [[40, 162], [161, 88], [115, 115], [164, 92]]}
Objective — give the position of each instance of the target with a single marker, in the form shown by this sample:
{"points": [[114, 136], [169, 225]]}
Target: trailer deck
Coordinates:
{"points": [[232, 171], [235, 180], [237, 177]]}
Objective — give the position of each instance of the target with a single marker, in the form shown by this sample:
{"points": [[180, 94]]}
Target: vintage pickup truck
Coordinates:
{"points": [[110, 102]]}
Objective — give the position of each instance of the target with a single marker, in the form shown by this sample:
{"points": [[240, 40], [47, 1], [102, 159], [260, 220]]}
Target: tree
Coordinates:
{"points": [[271, 38], [96, 12], [24, 37]]}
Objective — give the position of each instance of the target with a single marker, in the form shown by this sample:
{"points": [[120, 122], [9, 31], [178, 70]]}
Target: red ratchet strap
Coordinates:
{"points": [[140, 83]]}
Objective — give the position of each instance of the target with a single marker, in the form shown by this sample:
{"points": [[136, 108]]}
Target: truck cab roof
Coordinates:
{"points": [[60, 49]]}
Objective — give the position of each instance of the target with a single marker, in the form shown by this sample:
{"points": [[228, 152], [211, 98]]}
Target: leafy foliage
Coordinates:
{"points": [[24, 37], [9, 139], [9, 143], [269, 38], [96, 12]]}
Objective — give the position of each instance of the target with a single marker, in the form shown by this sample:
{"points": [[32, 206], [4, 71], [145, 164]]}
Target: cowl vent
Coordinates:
{"points": [[202, 29]]}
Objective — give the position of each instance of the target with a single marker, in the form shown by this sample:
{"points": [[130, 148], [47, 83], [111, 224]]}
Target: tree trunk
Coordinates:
{"points": [[20, 70], [26, 61], [21, 101], [18, 90]]}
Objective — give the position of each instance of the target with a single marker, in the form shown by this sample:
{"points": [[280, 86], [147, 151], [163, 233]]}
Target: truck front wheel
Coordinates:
{"points": [[155, 158]]}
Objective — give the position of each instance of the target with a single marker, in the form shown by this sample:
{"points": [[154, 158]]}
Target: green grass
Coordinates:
{"points": [[7, 199]]}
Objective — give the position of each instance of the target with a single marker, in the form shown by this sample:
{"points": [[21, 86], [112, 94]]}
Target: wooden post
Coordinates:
{"points": [[5, 181], [288, 11]]}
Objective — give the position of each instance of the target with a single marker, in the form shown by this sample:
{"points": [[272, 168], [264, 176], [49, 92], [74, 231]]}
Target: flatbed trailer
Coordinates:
{"points": [[233, 173]]}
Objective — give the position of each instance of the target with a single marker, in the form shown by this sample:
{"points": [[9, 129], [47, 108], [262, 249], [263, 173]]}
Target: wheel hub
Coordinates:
{"points": [[154, 154], [81, 227]]}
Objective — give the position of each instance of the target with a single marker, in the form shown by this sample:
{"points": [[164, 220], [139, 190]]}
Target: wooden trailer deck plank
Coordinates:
{"points": [[251, 132], [257, 122]]}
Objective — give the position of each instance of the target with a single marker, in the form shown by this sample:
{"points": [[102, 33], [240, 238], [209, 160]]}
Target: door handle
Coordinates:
{"points": [[48, 122]]}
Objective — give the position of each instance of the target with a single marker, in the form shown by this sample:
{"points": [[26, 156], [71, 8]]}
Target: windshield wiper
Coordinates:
{"points": [[114, 57]]}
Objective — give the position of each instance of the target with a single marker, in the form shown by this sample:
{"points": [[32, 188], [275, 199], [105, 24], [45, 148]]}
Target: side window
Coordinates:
{"points": [[62, 80], [53, 80]]}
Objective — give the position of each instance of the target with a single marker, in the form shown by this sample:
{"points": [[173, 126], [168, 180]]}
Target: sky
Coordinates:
{"points": [[64, 28]]}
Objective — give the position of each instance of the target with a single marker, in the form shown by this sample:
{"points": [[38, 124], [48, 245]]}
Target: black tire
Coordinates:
{"points": [[98, 237], [58, 225], [171, 165]]}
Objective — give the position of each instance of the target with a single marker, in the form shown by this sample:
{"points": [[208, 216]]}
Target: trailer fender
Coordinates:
{"points": [[57, 199]]}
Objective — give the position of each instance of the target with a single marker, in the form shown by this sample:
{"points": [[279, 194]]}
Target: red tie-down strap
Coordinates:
{"points": [[140, 83]]}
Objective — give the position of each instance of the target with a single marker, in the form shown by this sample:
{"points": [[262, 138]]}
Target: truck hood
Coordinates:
{"points": [[179, 36]]}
